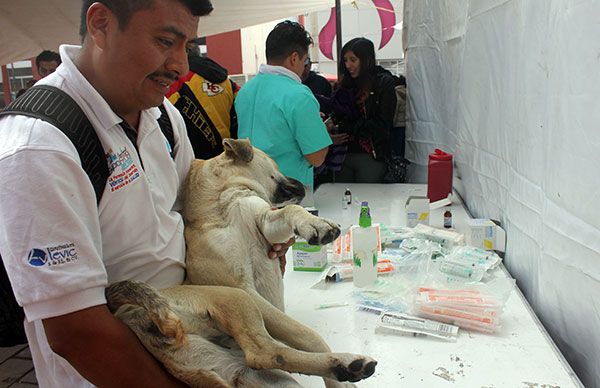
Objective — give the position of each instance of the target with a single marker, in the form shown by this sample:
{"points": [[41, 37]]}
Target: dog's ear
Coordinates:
{"points": [[239, 149]]}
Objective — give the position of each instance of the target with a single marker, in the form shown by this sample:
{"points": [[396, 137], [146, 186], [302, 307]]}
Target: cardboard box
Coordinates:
{"points": [[417, 211], [446, 238], [309, 257], [486, 234]]}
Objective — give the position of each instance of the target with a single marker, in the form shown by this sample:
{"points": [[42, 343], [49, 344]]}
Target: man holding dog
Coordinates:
{"points": [[60, 248]]}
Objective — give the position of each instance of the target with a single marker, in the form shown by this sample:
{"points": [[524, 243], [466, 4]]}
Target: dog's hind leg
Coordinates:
{"points": [[267, 378], [200, 362], [286, 329], [191, 358], [237, 315], [149, 315], [293, 333], [228, 363], [141, 294]]}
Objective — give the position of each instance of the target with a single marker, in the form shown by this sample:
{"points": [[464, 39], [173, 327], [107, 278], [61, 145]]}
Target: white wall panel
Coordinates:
{"points": [[511, 87]]}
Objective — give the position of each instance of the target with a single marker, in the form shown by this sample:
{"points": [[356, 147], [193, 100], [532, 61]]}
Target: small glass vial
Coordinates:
{"points": [[346, 199], [447, 219]]}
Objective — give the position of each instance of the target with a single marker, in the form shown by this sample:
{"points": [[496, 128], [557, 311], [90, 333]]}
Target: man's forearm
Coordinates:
{"points": [[104, 350], [317, 158]]}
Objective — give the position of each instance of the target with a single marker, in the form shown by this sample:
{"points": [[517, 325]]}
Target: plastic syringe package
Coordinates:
{"points": [[476, 308], [405, 324]]}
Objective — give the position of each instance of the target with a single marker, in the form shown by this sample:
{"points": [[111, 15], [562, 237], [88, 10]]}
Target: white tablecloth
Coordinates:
{"points": [[520, 355]]}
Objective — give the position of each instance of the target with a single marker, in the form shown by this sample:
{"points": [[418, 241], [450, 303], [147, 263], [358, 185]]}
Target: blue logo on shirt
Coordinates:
{"points": [[52, 256], [37, 257]]}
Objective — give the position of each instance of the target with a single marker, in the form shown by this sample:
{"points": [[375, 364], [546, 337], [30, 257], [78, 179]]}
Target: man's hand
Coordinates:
{"points": [[278, 251], [339, 138]]}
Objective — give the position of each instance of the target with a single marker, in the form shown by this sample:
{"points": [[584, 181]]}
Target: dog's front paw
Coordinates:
{"points": [[318, 231], [354, 368]]}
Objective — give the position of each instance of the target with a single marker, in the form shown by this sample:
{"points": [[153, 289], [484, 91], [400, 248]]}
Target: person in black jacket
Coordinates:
{"points": [[368, 114], [315, 82]]}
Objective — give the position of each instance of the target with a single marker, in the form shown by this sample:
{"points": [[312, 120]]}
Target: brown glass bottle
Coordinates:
{"points": [[447, 219]]}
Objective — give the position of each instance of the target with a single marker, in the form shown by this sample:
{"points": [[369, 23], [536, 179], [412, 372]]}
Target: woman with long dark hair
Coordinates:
{"points": [[368, 114]]}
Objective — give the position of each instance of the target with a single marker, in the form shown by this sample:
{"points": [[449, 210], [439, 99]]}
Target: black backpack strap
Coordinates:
{"points": [[51, 104], [164, 122], [59, 109]]}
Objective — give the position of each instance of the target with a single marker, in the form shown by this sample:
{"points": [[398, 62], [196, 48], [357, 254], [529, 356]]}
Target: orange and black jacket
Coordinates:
{"points": [[204, 97]]}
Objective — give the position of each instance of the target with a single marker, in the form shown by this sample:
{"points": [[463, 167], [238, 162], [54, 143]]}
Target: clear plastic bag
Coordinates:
{"points": [[475, 306], [399, 323], [388, 294]]}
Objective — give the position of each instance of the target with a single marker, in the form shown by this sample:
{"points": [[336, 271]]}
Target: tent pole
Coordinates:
{"points": [[338, 34], [6, 85]]}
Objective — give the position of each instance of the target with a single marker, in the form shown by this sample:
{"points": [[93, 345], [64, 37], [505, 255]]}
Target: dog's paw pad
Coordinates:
{"points": [[330, 235], [319, 231], [357, 370], [314, 240], [356, 365]]}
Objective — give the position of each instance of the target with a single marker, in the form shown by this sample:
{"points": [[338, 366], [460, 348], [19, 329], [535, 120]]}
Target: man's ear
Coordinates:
{"points": [[295, 57], [239, 150], [99, 20]]}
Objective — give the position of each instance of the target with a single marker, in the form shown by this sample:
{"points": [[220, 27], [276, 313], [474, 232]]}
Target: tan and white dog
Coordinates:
{"points": [[231, 223]]}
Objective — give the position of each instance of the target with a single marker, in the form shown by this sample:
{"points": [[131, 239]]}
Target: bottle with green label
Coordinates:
{"points": [[364, 249]]}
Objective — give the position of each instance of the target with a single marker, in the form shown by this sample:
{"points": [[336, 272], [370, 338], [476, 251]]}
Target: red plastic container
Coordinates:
{"points": [[439, 177]]}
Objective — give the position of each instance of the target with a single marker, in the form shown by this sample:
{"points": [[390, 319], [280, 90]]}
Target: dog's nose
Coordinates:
{"points": [[289, 189], [296, 188]]}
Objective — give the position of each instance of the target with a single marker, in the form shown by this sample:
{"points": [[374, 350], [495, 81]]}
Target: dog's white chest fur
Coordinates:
{"points": [[242, 251], [231, 223]]}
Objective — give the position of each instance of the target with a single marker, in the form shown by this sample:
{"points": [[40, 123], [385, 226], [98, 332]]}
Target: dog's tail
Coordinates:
{"points": [[148, 298]]}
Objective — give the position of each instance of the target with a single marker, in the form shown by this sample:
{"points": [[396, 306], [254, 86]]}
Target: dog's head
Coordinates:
{"points": [[244, 161]]}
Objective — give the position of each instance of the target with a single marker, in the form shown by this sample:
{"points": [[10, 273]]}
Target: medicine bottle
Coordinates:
{"points": [[346, 199], [447, 219], [364, 249]]}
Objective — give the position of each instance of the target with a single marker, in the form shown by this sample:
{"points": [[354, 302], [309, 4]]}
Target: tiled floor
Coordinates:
{"points": [[16, 368]]}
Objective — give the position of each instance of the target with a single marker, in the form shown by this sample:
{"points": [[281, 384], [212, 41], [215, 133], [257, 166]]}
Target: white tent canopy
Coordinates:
{"points": [[510, 87], [30, 26]]}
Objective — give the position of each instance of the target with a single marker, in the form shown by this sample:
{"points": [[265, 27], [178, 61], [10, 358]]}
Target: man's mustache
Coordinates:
{"points": [[166, 74]]}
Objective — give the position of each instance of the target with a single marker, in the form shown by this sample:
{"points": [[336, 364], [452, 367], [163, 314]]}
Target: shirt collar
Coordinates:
{"points": [[154, 111], [279, 70]]}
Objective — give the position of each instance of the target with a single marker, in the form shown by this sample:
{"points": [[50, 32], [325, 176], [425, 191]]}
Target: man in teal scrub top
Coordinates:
{"points": [[278, 113]]}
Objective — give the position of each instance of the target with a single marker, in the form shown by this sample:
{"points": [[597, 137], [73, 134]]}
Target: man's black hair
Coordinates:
{"points": [[47, 56], [123, 9], [287, 37]]}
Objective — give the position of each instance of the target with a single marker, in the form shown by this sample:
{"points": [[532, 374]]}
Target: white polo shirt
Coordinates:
{"points": [[60, 248]]}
